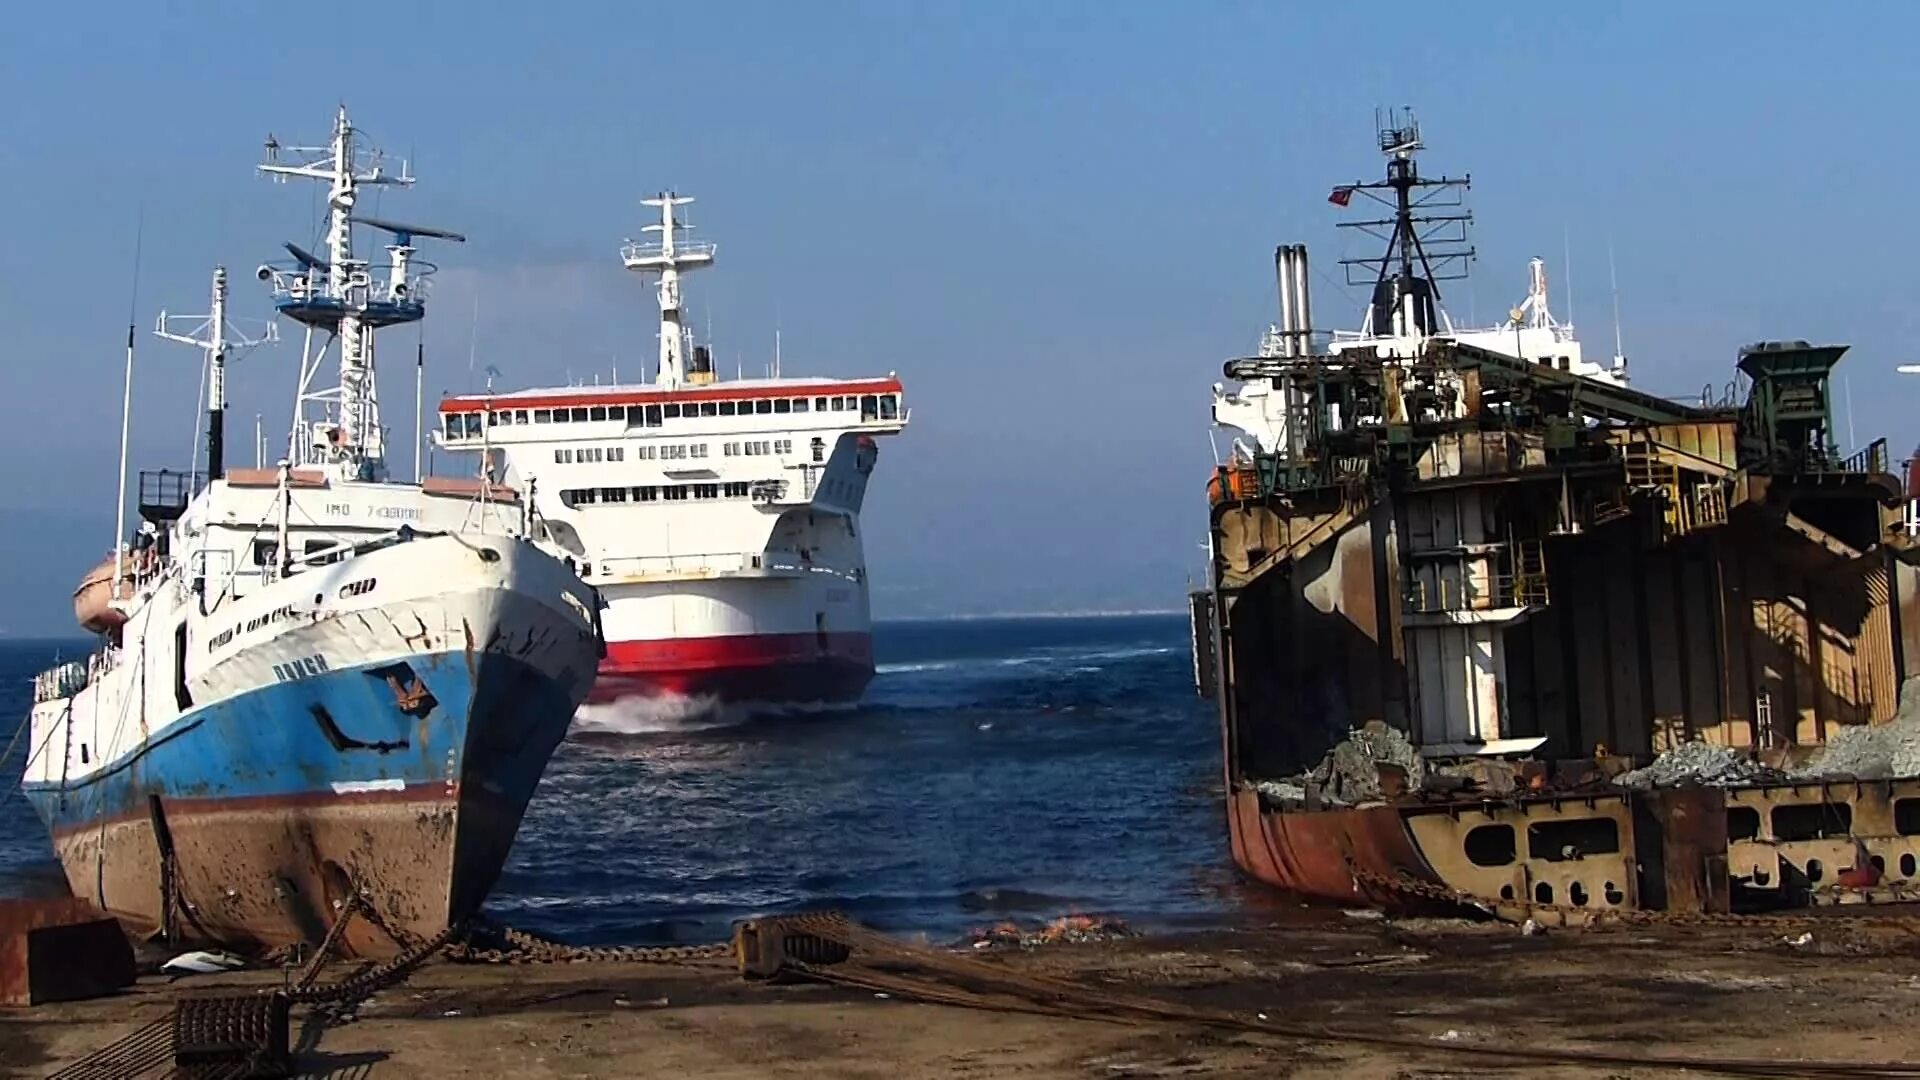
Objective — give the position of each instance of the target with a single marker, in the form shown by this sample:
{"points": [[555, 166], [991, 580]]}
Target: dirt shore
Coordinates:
{"points": [[1848, 993]]}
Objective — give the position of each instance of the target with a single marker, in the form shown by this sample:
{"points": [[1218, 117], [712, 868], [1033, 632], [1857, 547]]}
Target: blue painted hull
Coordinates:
{"points": [[280, 800]]}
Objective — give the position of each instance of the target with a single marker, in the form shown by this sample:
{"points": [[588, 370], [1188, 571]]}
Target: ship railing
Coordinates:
{"points": [[636, 250], [63, 681], [714, 562], [1501, 591]]}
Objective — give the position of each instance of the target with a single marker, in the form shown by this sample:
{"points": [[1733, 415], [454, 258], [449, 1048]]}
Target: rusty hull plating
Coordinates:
{"points": [[1543, 580]]}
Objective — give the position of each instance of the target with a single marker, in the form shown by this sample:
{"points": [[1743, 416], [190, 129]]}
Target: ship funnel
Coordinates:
{"points": [[1283, 275], [1302, 304]]}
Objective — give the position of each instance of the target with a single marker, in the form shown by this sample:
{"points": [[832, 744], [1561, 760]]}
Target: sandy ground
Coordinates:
{"points": [[1849, 994]]}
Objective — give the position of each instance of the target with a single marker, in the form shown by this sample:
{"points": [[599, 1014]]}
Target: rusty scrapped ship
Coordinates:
{"points": [[1487, 624], [311, 683]]}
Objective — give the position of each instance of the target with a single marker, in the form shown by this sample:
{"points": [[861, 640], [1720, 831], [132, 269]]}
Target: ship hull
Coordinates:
{"points": [[795, 669], [388, 750], [801, 639], [274, 817]]}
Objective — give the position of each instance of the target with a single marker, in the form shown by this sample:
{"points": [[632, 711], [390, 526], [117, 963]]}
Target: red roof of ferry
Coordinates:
{"points": [[646, 395]]}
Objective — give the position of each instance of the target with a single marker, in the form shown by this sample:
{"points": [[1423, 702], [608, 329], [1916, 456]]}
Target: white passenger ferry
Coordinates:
{"points": [[719, 519]]}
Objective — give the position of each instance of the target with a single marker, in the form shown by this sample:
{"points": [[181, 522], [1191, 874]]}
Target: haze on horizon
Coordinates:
{"points": [[1054, 221]]}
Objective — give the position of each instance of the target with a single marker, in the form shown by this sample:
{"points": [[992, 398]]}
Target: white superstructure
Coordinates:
{"points": [[719, 519]]}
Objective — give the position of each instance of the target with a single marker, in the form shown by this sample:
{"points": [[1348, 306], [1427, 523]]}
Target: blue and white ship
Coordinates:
{"points": [[313, 681]]}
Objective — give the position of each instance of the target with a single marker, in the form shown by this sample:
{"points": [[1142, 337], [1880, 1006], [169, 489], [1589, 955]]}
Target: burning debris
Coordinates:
{"points": [[1068, 930]]}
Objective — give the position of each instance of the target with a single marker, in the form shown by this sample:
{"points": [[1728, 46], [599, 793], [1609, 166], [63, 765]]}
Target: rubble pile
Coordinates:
{"points": [[1872, 751], [1695, 762], [1350, 773]]}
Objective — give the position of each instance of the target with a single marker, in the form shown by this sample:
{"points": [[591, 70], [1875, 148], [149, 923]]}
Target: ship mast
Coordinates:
{"points": [[1426, 238], [669, 257], [210, 335], [340, 295]]}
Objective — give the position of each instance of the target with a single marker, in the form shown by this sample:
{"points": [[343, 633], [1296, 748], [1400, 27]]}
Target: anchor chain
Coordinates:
{"points": [[525, 948]]}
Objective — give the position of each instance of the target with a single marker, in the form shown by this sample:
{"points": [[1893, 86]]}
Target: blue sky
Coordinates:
{"points": [[1053, 219]]}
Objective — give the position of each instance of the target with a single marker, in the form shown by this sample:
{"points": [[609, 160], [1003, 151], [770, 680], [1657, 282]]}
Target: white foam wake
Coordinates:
{"points": [[651, 714]]}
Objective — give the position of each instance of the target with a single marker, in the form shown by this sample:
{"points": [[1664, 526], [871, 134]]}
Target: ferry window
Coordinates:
{"points": [[647, 493], [504, 416], [542, 416], [673, 412], [674, 493], [613, 495], [783, 446], [839, 404], [800, 404], [616, 412], [580, 416], [561, 457], [781, 405], [597, 412], [617, 453], [819, 450], [709, 408], [889, 406], [653, 415], [648, 453], [519, 416], [699, 449], [728, 449], [869, 407], [727, 408], [763, 406], [265, 552], [736, 489], [819, 404]]}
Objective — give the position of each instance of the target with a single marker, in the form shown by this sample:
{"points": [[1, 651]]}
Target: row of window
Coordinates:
{"points": [[589, 454], [870, 407], [586, 455], [576, 497], [760, 448]]}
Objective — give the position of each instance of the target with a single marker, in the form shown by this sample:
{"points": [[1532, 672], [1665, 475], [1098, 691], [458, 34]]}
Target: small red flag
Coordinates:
{"points": [[1341, 196]]}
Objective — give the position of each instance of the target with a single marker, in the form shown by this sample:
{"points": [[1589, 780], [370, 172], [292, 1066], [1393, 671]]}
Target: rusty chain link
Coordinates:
{"points": [[525, 948], [1590, 917]]}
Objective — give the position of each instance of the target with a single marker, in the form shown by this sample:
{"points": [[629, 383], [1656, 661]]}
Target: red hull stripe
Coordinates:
{"points": [[733, 651], [717, 392], [747, 667], [427, 796]]}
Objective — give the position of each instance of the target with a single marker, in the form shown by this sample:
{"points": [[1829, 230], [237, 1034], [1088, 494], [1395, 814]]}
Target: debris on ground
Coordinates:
{"points": [[203, 963], [1066, 930]]}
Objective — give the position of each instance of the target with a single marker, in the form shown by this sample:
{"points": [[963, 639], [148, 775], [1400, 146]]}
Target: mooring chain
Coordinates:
{"points": [[525, 948], [1589, 917], [377, 978]]}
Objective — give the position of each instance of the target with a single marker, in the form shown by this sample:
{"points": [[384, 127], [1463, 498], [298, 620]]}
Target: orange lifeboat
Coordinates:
{"points": [[93, 600]]}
